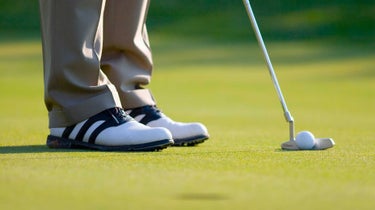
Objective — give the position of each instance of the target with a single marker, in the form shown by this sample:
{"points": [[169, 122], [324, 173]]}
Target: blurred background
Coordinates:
{"points": [[224, 20], [325, 53]]}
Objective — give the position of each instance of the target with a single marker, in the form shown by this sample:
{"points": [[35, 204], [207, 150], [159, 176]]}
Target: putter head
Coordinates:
{"points": [[321, 144]]}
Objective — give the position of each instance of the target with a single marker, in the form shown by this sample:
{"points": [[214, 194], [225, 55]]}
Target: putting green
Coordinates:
{"points": [[329, 90]]}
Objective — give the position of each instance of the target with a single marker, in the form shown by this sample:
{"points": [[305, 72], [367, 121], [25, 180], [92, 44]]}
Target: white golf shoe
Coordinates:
{"points": [[110, 130], [188, 134]]}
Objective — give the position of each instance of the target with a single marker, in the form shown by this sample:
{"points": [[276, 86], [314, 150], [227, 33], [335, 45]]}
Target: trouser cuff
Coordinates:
{"points": [[82, 111]]}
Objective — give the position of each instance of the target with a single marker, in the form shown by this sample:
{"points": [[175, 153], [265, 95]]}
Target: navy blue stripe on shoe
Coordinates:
{"points": [[105, 125], [67, 131], [115, 116], [88, 124], [109, 118], [150, 113]]}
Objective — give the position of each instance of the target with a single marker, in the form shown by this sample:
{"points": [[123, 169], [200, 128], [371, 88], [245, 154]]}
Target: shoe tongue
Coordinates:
{"points": [[153, 109], [153, 112]]}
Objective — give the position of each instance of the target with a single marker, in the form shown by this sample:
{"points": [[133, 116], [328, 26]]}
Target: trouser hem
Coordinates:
{"points": [[82, 111]]}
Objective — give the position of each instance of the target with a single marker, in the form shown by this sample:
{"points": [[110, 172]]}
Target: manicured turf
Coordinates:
{"points": [[329, 90]]}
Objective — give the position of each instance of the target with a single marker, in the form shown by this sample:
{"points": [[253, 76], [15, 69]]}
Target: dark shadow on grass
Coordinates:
{"points": [[282, 150], [293, 151], [19, 149]]}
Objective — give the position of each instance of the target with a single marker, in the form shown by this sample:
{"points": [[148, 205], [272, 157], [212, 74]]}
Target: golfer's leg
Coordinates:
{"points": [[75, 87], [128, 63], [85, 111], [126, 56]]}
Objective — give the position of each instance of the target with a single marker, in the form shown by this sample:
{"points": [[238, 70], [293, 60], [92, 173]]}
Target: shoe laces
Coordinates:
{"points": [[119, 115]]}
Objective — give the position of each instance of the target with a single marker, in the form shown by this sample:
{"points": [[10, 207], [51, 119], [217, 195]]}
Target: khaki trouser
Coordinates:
{"points": [[96, 55]]}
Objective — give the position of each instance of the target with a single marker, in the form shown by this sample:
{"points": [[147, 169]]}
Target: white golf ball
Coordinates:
{"points": [[305, 140]]}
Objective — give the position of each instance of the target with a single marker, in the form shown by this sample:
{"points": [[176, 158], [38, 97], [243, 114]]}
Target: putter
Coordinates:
{"points": [[321, 143]]}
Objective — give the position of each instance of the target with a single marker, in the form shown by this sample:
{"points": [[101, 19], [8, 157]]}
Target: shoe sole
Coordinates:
{"points": [[61, 143], [191, 141]]}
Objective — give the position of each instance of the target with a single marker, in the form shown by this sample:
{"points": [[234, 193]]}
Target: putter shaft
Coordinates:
{"points": [[288, 116]]}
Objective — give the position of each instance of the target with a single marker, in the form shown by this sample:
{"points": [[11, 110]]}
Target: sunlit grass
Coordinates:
{"points": [[329, 90]]}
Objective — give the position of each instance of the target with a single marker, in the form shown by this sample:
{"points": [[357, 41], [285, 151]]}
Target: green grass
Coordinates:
{"points": [[329, 90]]}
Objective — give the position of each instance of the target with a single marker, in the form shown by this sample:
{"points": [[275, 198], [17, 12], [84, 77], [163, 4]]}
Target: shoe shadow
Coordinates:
{"points": [[285, 151], [19, 149]]}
